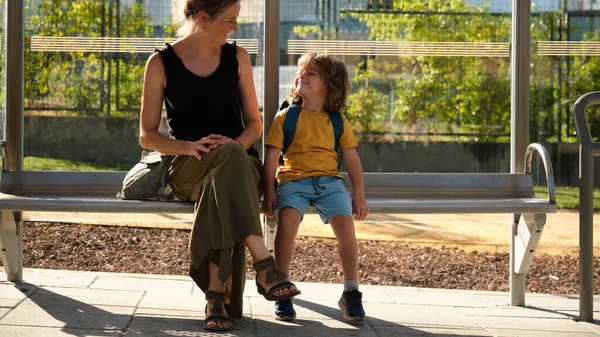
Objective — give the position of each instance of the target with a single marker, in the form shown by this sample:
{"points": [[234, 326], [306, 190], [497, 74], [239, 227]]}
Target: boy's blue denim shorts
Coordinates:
{"points": [[327, 194]]}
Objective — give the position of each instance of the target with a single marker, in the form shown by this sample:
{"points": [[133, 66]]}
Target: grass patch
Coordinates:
{"points": [[567, 197], [53, 164]]}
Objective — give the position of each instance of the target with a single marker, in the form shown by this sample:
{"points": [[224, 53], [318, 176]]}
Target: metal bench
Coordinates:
{"points": [[416, 193]]}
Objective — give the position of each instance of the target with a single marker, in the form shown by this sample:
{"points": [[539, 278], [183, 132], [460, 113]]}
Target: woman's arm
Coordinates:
{"points": [[355, 172], [254, 126], [152, 98], [269, 171]]}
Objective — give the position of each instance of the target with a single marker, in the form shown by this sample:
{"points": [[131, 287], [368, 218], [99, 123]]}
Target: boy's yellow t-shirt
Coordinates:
{"points": [[312, 151]]}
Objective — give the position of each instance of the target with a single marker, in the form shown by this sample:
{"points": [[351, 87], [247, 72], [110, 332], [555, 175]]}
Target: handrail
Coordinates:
{"points": [[587, 151], [581, 123], [4, 155], [547, 166]]}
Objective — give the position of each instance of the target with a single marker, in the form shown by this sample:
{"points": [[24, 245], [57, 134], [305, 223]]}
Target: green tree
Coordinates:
{"points": [[442, 94], [63, 79], [77, 80], [585, 77], [460, 95]]}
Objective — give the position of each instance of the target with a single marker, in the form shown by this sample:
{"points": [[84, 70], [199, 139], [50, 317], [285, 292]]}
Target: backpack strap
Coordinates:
{"points": [[338, 128], [289, 125], [291, 119]]}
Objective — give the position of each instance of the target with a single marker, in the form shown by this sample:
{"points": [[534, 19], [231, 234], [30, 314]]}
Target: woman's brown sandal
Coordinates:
{"points": [[215, 312], [272, 275]]}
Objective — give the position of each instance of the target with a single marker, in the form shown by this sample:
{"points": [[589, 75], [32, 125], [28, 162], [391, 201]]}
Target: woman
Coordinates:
{"points": [[213, 119]]}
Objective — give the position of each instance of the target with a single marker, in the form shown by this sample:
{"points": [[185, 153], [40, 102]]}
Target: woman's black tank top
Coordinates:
{"points": [[200, 106]]}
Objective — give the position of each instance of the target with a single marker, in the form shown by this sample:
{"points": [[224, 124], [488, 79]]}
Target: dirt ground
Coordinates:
{"points": [[52, 245], [432, 251], [480, 232]]}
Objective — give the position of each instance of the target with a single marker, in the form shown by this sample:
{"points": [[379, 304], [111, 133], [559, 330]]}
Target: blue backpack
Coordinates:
{"points": [[291, 119]]}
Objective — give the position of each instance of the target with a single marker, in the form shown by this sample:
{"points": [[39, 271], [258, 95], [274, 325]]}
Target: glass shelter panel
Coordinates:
{"points": [[564, 66], [431, 79], [84, 66]]}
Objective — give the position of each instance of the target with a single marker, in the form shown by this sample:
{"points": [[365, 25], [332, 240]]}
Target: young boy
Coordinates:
{"points": [[309, 175]]}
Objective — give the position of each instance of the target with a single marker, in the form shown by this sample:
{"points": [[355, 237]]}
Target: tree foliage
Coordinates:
{"points": [[465, 96], [82, 81]]}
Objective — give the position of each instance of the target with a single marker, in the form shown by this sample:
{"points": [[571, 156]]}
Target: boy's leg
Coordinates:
{"points": [[351, 300], [292, 200], [343, 228], [334, 205], [288, 223]]}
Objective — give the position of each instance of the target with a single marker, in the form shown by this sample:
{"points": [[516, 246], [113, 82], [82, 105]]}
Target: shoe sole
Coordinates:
{"points": [[284, 318], [350, 318]]}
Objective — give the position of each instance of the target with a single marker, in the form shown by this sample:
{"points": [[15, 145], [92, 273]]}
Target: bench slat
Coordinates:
{"points": [[413, 184], [415, 193], [377, 205], [90, 204]]}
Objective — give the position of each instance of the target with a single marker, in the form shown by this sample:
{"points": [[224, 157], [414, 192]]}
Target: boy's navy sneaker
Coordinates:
{"points": [[284, 310], [351, 305]]}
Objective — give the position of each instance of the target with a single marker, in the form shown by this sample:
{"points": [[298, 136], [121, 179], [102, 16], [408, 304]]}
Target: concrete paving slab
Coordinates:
{"points": [[440, 297], [165, 285], [50, 311], [26, 331], [3, 312], [529, 323], [512, 312], [16, 291], [439, 316], [60, 278], [7, 303], [305, 309], [169, 326], [537, 333], [92, 296], [173, 301], [549, 301], [417, 331], [155, 309], [302, 327], [194, 302], [592, 326]]}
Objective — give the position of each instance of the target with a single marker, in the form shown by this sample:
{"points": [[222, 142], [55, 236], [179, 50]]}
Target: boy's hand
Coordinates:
{"points": [[360, 209], [269, 203]]}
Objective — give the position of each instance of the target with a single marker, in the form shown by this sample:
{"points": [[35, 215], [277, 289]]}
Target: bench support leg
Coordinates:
{"points": [[11, 245], [526, 230], [269, 231]]}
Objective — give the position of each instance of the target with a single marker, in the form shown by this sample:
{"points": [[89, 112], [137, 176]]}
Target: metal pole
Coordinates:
{"points": [[519, 138], [15, 37], [15, 40], [586, 206], [586, 233], [271, 50], [271, 64]]}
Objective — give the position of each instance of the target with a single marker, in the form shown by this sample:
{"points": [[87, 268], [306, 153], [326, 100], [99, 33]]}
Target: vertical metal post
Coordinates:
{"points": [[15, 40], [15, 36], [520, 59], [586, 205], [109, 58], [271, 64], [586, 233], [271, 52]]}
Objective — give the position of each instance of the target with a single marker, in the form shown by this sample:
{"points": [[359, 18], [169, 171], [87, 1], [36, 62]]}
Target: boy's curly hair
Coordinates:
{"points": [[334, 76]]}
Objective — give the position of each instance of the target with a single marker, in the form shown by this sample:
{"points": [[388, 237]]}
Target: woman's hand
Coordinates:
{"points": [[203, 145], [269, 203], [222, 141]]}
